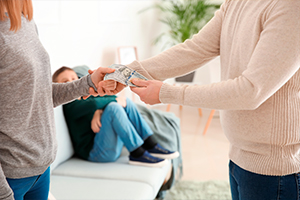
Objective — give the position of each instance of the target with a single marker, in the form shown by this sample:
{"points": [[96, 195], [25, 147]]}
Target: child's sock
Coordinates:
{"points": [[149, 143], [137, 152]]}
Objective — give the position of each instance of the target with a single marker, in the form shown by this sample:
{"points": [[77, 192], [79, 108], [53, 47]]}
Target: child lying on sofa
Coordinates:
{"points": [[101, 126]]}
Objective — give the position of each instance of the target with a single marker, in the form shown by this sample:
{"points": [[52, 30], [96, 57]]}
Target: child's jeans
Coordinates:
{"points": [[246, 185], [120, 127], [31, 188]]}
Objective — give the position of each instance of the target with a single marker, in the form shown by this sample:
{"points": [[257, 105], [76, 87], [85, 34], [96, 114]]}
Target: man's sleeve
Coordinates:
{"points": [[276, 58], [185, 57]]}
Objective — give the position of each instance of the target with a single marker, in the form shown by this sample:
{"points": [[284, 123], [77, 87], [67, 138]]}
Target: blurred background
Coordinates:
{"points": [[89, 32]]}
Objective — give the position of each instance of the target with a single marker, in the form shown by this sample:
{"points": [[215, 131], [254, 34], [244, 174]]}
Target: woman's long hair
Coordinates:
{"points": [[15, 9]]}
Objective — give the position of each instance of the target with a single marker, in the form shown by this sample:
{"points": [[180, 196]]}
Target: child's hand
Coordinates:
{"points": [[96, 123]]}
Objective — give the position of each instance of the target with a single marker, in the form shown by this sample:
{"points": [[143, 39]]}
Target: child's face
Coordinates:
{"points": [[67, 76]]}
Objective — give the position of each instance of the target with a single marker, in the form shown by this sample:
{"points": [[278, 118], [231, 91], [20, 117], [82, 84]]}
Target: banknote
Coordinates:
{"points": [[123, 74]]}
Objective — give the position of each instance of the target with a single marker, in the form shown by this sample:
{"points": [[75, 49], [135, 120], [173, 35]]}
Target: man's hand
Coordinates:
{"points": [[96, 123], [147, 90]]}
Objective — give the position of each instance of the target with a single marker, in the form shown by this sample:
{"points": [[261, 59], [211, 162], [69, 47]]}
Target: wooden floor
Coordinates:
{"points": [[205, 157]]}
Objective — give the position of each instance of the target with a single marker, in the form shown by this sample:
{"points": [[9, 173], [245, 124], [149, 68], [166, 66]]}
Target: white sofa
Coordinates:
{"points": [[73, 178]]}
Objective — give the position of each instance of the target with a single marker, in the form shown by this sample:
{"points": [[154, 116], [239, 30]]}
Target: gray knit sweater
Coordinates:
{"points": [[27, 98]]}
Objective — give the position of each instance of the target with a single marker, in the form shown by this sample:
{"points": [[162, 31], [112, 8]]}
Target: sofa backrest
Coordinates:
{"points": [[64, 149]]}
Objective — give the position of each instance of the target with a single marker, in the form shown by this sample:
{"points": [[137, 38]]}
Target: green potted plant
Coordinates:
{"points": [[184, 18]]}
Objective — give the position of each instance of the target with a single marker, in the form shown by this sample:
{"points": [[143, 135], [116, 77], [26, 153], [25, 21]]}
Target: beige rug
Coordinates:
{"points": [[195, 190]]}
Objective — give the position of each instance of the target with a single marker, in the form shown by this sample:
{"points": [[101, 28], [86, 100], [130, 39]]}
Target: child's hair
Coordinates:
{"points": [[58, 72], [15, 9]]}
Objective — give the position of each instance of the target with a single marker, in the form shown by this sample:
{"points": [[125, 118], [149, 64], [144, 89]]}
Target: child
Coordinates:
{"points": [[100, 126]]}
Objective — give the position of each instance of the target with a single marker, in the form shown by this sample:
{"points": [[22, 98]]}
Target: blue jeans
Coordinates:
{"points": [[246, 185], [120, 127], [31, 188]]}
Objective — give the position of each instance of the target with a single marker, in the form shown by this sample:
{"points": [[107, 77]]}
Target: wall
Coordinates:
{"points": [[89, 31]]}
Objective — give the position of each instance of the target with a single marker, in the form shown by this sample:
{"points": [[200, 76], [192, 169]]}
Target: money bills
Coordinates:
{"points": [[123, 74]]}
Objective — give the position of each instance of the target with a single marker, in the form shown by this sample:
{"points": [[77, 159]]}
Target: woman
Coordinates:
{"points": [[27, 131], [258, 97]]}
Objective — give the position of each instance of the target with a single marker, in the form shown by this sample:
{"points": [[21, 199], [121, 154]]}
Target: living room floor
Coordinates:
{"points": [[205, 157]]}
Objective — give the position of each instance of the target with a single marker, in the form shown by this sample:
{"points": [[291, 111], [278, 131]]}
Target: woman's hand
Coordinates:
{"points": [[111, 87], [147, 90], [96, 123], [121, 101], [107, 87], [97, 77]]}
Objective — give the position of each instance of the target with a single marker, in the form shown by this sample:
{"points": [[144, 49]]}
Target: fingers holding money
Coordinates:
{"points": [[98, 74], [148, 91], [119, 87], [112, 80], [123, 75], [109, 84], [104, 88], [109, 87], [139, 82]]}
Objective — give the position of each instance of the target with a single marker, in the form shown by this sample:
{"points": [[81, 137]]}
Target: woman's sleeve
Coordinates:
{"points": [[66, 92], [185, 57]]}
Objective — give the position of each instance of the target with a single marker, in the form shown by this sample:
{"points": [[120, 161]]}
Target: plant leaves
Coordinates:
{"points": [[183, 17]]}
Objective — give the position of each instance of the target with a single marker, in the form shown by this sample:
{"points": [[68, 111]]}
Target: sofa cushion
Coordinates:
{"points": [[65, 149], [119, 170], [74, 188]]}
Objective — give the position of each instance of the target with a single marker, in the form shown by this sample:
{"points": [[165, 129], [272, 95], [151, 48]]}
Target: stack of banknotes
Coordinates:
{"points": [[123, 75]]}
